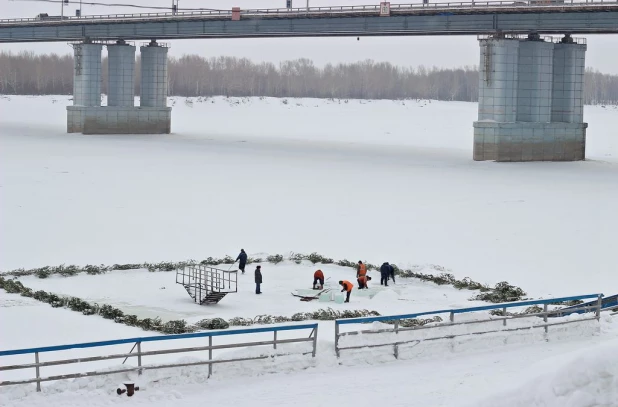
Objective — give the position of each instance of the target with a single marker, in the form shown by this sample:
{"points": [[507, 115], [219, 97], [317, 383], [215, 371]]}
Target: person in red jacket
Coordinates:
{"points": [[362, 282], [347, 286], [318, 277]]}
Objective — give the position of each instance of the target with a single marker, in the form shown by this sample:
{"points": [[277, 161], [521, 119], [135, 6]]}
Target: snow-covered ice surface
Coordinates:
{"points": [[379, 180], [371, 180]]}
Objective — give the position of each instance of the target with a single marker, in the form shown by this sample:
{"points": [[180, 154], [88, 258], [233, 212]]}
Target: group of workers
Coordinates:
{"points": [[387, 272]]}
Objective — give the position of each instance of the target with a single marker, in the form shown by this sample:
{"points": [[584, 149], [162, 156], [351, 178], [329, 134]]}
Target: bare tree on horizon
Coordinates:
{"points": [[191, 75]]}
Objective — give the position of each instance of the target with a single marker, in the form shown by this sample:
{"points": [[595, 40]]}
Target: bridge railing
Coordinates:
{"points": [[360, 9], [140, 354], [398, 320]]}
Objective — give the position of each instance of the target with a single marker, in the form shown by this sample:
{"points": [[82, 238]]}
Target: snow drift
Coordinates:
{"points": [[586, 378]]}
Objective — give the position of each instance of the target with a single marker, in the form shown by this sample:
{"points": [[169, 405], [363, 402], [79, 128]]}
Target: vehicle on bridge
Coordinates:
{"points": [[537, 2], [545, 2], [45, 16]]}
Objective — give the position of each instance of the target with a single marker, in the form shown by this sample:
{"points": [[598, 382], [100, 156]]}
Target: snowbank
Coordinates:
{"points": [[585, 378]]}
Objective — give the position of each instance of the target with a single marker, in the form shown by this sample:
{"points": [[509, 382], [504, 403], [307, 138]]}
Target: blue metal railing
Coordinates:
{"points": [[396, 319], [156, 339], [139, 354], [592, 306], [463, 310]]}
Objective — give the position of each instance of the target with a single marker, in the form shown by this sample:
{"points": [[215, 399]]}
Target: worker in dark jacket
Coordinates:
{"points": [[318, 277], [385, 271], [392, 273], [347, 286], [258, 279], [362, 282], [242, 259]]}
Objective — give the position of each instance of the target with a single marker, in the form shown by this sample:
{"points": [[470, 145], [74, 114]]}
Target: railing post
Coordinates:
{"points": [[504, 320], [139, 357], [599, 306], [396, 346], [210, 356], [336, 338], [545, 316], [38, 373], [275, 341], [315, 340]]}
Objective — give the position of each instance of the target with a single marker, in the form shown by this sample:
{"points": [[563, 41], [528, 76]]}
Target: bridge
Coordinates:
{"points": [[442, 18], [530, 85]]}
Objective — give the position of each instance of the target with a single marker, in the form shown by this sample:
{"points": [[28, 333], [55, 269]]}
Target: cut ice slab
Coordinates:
{"points": [[372, 291]]}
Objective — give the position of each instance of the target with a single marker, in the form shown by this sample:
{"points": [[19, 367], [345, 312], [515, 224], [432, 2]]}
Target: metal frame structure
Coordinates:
{"points": [[596, 308], [37, 365], [447, 18], [200, 281]]}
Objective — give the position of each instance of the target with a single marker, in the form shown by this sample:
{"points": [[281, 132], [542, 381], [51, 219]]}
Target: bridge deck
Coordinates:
{"points": [[466, 17]]}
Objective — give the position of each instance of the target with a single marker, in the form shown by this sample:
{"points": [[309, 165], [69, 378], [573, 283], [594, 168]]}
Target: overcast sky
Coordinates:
{"points": [[445, 51]]}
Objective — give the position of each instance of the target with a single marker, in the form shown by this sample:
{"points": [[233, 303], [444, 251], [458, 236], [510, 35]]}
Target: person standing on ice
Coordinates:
{"points": [[258, 279], [362, 282], [385, 271], [347, 286], [361, 269], [318, 277], [242, 260], [392, 272]]}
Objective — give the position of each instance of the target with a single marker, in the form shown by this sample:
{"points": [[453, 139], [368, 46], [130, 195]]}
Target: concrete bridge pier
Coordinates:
{"points": [[86, 84], [530, 100], [121, 75], [120, 116], [153, 87]]}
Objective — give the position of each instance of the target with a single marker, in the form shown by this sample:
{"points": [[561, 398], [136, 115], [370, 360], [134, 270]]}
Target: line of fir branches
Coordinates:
{"points": [[501, 292], [180, 326]]}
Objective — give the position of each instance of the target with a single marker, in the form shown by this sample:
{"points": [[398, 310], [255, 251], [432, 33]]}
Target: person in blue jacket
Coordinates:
{"points": [[242, 260]]}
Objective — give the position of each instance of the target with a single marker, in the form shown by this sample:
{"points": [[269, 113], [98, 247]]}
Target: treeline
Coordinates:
{"points": [[192, 75]]}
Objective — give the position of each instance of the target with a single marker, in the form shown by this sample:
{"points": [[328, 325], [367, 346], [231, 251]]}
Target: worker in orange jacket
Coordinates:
{"points": [[318, 277], [361, 269], [362, 282], [347, 286]]}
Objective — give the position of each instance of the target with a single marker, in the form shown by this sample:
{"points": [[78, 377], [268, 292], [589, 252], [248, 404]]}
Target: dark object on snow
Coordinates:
{"points": [[309, 297], [385, 271], [242, 260], [131, 388], [258, 279]]}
